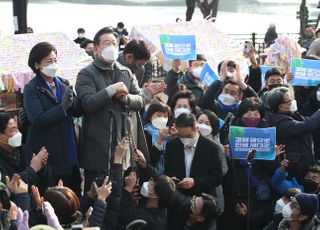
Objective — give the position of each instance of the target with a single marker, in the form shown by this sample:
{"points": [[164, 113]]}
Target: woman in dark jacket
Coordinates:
{"points": [[17, 158], [235, 185], [50, 103]]}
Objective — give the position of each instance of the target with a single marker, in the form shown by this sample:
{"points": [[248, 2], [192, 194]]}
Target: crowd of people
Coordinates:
{"points": [[155, 154]]}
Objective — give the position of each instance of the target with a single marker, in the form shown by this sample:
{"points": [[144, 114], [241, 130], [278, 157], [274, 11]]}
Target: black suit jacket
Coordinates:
{"points": [[206, 168]]}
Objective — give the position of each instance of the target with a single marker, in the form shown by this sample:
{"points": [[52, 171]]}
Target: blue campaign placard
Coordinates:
{"points": [[305, 72], [181, 47], [207, 75], [243, 139]]}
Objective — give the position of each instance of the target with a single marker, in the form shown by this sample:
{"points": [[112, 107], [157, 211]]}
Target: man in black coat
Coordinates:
{"points": [[293, 130], [193, 159]]}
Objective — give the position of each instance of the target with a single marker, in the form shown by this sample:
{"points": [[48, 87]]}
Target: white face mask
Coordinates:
{"points": [[188, 142], [205, 130], [287, 212], [144, 191], [197, 72], [146, 107], [50, 70], [110, 53], [230, 75], [179, 111], [227, 99], [279, 206], [293, 106], [81, 35], [318, 95], [120, 30], [159, 122], [15, 141]]}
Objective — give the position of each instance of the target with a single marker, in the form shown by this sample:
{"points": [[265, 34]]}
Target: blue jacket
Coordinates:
{"points": [[48, 127], [280, 183]]}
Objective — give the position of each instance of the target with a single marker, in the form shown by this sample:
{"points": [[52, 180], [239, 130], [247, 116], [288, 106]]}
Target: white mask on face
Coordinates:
{"points": [[227, 99], [144, 191], [146, 107], [197, 72], [15, 141], [287, 212], [159, 122], [110, 53], [293, 106], [279, 206], [205, 130], [179, 111], [188, 142], [120, 30], [81, 35], [318, 95], [230, 75], [50, 70]]}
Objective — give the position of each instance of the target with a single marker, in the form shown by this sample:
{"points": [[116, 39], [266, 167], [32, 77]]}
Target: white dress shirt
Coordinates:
{"points": [[188, 156]]}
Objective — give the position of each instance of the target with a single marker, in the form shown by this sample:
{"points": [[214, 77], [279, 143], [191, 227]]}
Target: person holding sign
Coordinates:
{"points": [[250, 114], [191, 78], [293, 130]]}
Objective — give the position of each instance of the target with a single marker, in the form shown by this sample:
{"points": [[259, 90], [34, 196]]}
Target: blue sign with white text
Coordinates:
{"points": [[181, 47], [244, 139], [305, 72], [207, 75]]}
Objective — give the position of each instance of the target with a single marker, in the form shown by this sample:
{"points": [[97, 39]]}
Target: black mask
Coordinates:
{"points": [[273, 86], [90, 53], [310, 186]]}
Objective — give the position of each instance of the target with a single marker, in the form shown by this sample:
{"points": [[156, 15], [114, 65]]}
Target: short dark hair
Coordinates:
{"points": [[213, 119], [274, 71], [211, 208], [104, 30], [81, 30], [276, 97], [39, 52], [251, 104], [229, 64], [228, 81], [138, 48], [64, 202], [85, 43], [186, 120], [291, 192], [200, 57], [154, 107], [4, 119], [165, 188], [183, 94], [308, 26], [314, 169], [120, 25]]}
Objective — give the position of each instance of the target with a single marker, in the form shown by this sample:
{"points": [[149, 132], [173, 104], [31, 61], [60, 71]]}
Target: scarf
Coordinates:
{"points": [[227, 108]]}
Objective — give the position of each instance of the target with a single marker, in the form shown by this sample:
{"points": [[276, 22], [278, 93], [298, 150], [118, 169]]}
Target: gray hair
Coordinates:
{"points": [[276, 97]]}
